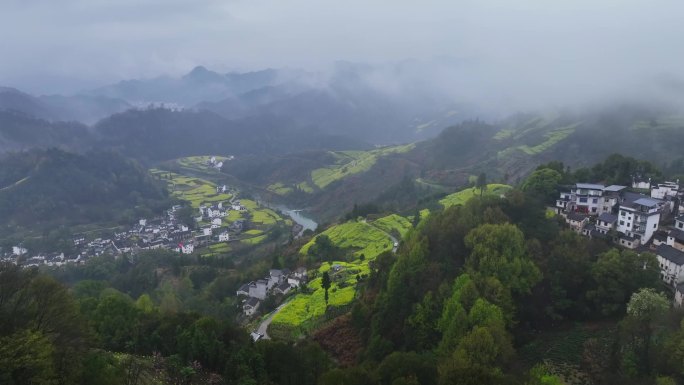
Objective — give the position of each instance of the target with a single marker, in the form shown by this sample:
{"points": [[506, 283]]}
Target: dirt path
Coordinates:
{"points": [[17, 183]]}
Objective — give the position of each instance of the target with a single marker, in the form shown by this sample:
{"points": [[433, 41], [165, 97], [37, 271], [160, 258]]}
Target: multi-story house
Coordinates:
{"points": [[639, 218], [589, 198]]}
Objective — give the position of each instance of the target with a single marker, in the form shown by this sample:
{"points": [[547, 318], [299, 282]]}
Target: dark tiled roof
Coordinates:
{"points": [[671, 254], [283, 286], [576, 217], [678, 235], [608, 217], [680, 287], [252, 302]]}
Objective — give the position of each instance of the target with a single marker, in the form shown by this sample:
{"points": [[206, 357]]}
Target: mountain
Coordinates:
{"points": [[162, 134], [330, 183], [19, 131], [82, 108], [197, 86], [46, 188], [158, 134]]}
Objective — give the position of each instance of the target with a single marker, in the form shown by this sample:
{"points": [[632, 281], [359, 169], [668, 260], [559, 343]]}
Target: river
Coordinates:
{"points": [[296, 215]]}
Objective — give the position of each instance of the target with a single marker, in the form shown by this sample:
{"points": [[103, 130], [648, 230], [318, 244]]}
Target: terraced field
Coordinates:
{"points": [[360, 236], [352, 162], [367, 239], [393, 224], [194, 190], [461, 197]]}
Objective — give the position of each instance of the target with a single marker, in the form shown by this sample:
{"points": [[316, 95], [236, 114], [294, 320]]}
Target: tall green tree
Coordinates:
{"points": [[325, 284], [498, 250]]}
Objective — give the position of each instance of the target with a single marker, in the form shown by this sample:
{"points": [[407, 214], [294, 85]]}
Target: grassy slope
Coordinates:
{"points": [[363, 237], [393, 224], [352, 162], [461, 197]]}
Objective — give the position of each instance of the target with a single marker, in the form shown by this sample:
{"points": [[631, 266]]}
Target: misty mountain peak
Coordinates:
{"points": [[202, 74]]}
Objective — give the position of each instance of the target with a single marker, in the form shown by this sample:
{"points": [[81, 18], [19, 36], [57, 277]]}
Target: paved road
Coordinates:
{"points": [[263, 327]]}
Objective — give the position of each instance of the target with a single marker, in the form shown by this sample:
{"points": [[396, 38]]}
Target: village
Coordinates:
{"points": [[165, 232], [648, 217]]}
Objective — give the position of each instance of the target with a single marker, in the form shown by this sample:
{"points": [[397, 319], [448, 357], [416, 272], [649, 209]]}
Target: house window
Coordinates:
{"points": [[593, 209], [622, 213], [595, 200], [680, 225], [655, 225], [622, 223], [629, 224], [583, 200]]}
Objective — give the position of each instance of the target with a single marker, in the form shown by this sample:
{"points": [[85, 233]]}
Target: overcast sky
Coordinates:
{"points": [[64, 45]]}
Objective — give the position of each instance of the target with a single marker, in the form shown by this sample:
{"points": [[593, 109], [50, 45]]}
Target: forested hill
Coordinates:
{"points": [[162, 134], [156, 134], [19, 131], [47, 188]]}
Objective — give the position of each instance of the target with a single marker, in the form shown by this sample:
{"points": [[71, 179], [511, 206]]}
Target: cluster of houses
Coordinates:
{"points": [[148, 234], [633, 220], [276, 282], [217, 164]]}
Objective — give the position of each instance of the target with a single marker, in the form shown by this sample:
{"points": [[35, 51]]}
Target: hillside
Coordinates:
{"points": [[19, 131], [42, 189], [82, 108], [507, 150]]}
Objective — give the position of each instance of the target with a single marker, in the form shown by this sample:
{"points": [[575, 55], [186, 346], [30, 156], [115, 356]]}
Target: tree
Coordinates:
{"points": [[325, 284], [499, 251], [645, 312], [481, 182], [618, 274], [543, 183]]}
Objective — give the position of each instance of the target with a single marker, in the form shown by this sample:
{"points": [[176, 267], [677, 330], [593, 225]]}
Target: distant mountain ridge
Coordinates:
{"points": [[48, 188], [82, 108]]}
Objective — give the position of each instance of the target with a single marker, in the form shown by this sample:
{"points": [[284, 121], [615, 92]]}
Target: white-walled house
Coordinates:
{"points": [[671, 263], [258, 289], [250, 306], [18, 250], [187, 248], [679, 294], [577, 221], [606, 222], [665, 189], [589, 198], [224, 237], [283, 288], [641, 183], [639, 218]]}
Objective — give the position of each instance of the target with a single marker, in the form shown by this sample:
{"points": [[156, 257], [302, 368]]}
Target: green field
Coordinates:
{"points": [[280, 189], [552, 137], [360, 236], [366, 240], [352, 162], [307, 307], [215, 249], [194, 190], [461, 197], [254, 240], [393, 224]]}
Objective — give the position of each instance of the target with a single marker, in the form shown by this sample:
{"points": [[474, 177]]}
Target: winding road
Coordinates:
{"points": [[263, 327]]}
